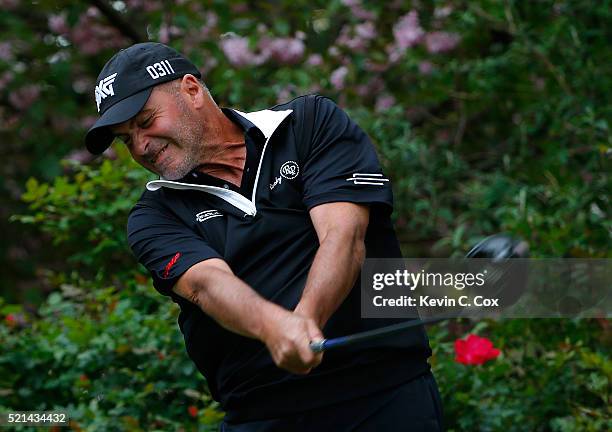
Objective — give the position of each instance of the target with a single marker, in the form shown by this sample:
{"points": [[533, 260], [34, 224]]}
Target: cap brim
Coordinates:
{"points": [[99, 136]]}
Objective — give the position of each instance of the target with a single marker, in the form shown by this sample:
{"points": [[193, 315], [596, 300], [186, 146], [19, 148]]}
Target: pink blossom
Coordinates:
{"points": [[92, 12], [314, 60], [57, 23], [151, 5], [357, 10], [6, 53], [366, 30], [90, 36], [352, 43], [209, 25], [443, 12], [408, 31], [440, 42], [426, 67], [362, 90], [82, 84], [373, 86], [238, 53], [24, 97], [394, 52], [210, 62], [88, 121], [285, 93], [282, 50], [357, 38], [80, 156], [168, 32], [333, 51], [384, 102], [164, 33], [338, 76], [194, 36], [5, 79]]}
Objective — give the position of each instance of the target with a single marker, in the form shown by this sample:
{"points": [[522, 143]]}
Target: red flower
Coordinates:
{"points": [[84, 378], [192, 410], [10, 319], [474, 350]]}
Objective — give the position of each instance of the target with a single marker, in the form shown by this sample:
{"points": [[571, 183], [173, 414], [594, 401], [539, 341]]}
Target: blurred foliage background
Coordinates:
{"points": [[488, 115]]}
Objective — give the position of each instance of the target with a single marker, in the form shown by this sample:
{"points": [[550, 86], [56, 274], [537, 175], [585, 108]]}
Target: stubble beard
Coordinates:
{"points": [[189, 141]]}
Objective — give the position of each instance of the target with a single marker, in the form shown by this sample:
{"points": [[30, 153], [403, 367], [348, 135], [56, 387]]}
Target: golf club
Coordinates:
{"points": [[497, 248]]}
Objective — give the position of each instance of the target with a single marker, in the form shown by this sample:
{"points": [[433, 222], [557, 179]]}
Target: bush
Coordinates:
{"points": [[112, 358], [548, 378]]}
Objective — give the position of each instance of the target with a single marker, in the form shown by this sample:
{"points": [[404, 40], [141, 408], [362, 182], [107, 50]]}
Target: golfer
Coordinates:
{"points": [[257, 228]]}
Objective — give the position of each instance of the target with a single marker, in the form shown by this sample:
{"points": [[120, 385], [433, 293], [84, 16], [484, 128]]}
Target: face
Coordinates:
{"points": [[166, 136]]}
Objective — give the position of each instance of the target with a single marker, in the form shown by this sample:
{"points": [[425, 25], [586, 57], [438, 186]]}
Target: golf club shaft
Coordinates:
{"points": [[327, 344]]}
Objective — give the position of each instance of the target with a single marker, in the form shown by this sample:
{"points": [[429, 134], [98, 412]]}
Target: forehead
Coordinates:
{"points": [[157, 99]]}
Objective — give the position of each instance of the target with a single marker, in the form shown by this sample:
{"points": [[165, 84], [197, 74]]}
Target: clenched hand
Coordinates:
{"points": [[287, 336]]}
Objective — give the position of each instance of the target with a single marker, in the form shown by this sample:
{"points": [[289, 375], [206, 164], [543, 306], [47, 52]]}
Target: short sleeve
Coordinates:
{"points": [[341, 163], [165, 246]]}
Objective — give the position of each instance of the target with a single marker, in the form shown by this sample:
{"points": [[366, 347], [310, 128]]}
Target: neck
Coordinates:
{"points": [[228, 164], [227, 151]]}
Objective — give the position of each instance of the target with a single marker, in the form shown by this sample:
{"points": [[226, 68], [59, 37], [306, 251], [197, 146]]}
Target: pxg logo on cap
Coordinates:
{"points": [[104, 89], [126, 82]]}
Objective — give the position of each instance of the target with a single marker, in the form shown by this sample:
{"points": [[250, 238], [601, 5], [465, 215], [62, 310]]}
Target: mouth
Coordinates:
{"points": [[158, 154]]}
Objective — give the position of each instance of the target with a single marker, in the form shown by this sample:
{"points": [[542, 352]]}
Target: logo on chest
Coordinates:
{"points": [[207, 214], [289, 170]]}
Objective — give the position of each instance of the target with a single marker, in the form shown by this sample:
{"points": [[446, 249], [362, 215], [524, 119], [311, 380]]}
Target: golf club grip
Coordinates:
{"points": [[328, 344]]}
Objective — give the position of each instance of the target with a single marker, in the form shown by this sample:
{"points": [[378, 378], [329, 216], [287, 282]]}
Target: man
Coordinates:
{"points": [[257, 228]]}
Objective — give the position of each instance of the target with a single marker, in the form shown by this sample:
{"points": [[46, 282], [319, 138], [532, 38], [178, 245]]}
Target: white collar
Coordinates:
{"points": [[266, 120]]}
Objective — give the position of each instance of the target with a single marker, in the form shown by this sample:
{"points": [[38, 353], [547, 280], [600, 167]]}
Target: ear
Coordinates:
{"points": [[192, 90]]}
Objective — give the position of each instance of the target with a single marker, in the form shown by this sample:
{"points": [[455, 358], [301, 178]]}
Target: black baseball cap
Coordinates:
{"points": [[126, 82]]}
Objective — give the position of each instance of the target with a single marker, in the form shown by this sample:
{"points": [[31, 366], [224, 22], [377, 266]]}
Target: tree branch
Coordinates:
{"points": [[116, 20]]}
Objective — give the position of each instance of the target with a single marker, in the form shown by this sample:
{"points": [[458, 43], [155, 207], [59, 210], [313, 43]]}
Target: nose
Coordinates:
{"points": [[140, 143]]}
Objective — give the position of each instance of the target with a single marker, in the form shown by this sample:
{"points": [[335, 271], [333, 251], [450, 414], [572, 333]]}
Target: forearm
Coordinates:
{"points": [[332, 275], [229, 301], [212, 286]]}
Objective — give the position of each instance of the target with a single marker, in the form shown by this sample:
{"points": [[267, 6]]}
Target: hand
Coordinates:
{"points": [[287, 336]]}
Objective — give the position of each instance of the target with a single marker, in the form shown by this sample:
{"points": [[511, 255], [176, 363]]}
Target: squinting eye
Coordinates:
{"points": [[145, 123]]}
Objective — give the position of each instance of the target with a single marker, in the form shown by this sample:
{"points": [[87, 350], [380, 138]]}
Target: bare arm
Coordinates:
{"points": [[341, 229], [212, 286]]}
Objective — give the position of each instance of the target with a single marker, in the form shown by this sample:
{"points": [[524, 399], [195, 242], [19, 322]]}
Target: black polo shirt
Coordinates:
{"points": [[300, 154]]}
